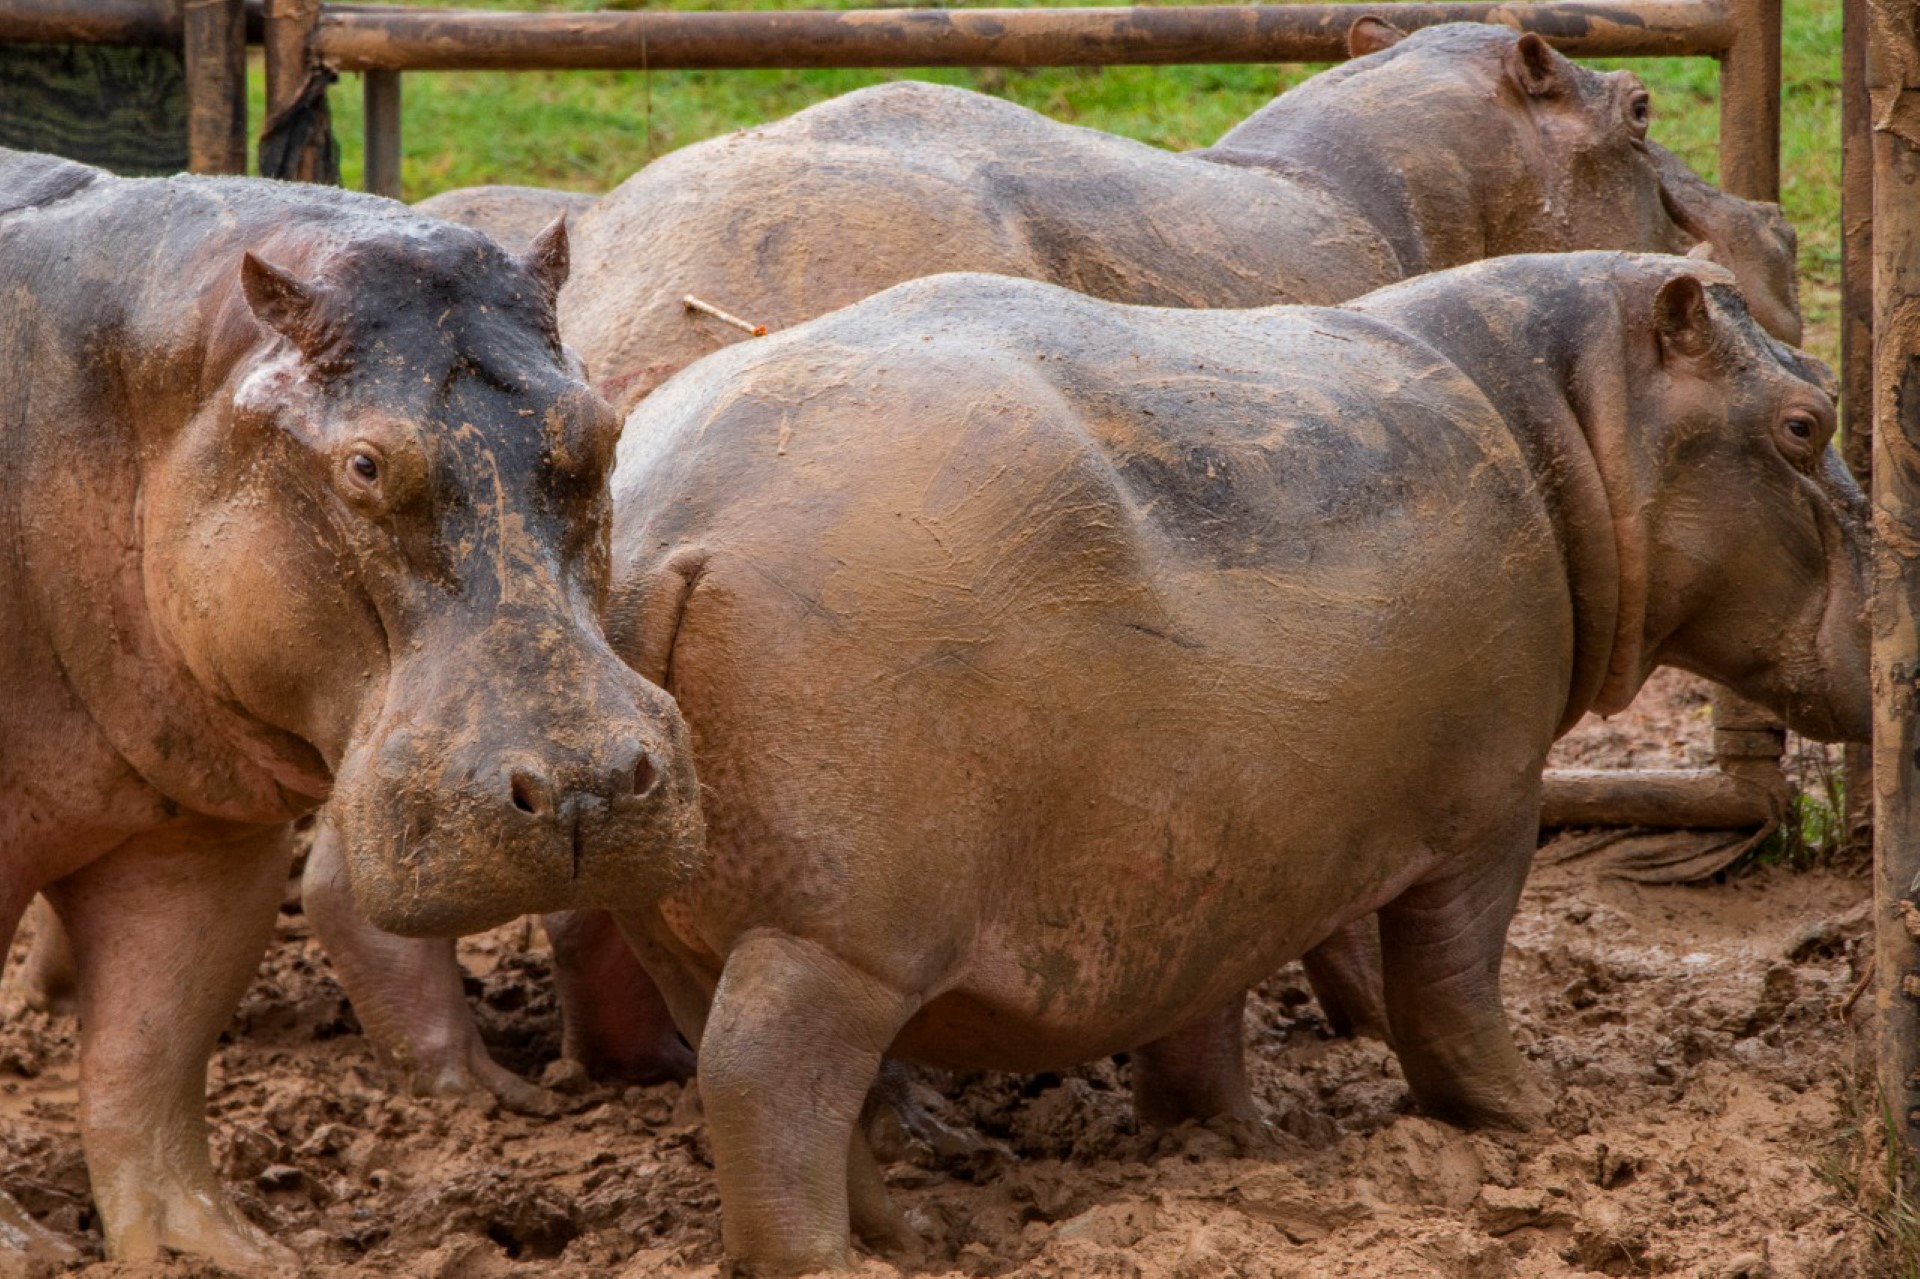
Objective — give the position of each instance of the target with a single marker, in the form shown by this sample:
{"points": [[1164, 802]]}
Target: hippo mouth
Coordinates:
{"points": [[454, 881]]}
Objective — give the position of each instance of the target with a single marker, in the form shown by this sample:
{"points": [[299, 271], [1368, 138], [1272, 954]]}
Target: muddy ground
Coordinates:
{"points": [[1703, 1076]]}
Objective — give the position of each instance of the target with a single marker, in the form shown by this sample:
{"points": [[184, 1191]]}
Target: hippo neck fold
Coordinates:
{"points": [[1566, 408], [1426, 185]]}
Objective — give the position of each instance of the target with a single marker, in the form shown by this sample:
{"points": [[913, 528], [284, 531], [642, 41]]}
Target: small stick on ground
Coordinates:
{"points": [[725, 317], [1845, 1006]]}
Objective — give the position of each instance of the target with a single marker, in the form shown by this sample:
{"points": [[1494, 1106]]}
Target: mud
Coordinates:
{"points": [[1703, 1084]]}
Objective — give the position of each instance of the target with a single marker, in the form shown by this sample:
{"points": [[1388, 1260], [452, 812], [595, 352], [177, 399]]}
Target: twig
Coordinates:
{"points": [[1845, 1006], [725, 317]]}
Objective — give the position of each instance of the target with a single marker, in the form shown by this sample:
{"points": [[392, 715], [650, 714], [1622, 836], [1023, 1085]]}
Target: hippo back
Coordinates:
{"points": [[784, 222], [511, 215]]}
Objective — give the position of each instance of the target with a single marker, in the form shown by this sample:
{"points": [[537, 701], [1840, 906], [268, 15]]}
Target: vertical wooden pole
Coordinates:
{"points": [[383, 132], [216, 71], [1750, 102], [287, 26], [1749, 740], [1893, 83], [296, 141], [1856, 329]]}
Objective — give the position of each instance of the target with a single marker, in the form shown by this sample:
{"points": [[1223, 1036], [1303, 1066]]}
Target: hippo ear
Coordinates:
{"points": [[1681, 317], [1532, 64], [548, 257], [1370, 35], [294, 308]]}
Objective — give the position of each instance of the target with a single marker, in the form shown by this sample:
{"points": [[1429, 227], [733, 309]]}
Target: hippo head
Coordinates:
{"points": [[418, 485], [1686, 457], [1756, 552], [1467, 141]]}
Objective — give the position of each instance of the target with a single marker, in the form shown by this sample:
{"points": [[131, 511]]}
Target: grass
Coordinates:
{"points": [[589, 130], [1869, 1171]]}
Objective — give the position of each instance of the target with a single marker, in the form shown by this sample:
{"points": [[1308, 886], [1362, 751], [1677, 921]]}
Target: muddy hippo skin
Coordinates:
{"points": [[1453, 144], [511, 215], [1056, 669], [299, 496], [1457, 143]]}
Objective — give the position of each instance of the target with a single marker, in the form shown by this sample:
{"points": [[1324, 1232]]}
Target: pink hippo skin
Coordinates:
{"points": [[1057, 668], [299, 496]]}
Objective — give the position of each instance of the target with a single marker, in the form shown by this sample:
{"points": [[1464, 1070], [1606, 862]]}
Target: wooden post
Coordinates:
{"points": [[1748, 741], [216, 52], [1856, 330], [296, 141], [383, 132], [1893, 83], [1750, 102], [288, 26]]}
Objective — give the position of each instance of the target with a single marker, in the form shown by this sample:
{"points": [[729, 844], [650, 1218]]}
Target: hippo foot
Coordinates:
{"points": [[666, 1062], [876, 1219], [1522, 1109], [22, 1239], [198, 1220], [468, 1071]]}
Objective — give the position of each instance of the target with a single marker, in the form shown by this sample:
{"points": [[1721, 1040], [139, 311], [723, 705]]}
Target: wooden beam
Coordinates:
{"points": [[367, 39]]}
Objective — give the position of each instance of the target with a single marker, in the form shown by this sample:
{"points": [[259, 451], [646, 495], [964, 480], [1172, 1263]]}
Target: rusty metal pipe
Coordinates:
{"points": [[362, 39]]}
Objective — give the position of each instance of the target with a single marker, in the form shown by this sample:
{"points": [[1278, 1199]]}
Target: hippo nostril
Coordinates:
{"points": [[530, 794], [643, 776]]}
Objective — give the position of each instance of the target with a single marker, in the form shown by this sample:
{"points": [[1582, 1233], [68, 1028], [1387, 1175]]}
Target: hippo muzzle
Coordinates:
{"points": [[505, 778]]}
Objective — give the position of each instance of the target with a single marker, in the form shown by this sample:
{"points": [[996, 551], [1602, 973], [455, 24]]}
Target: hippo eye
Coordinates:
{"points": [[364, 468], [1639, 113], [1802, 437]]}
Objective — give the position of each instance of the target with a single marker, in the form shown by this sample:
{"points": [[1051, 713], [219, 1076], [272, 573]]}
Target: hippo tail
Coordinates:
{"points": [[30, 180], [646, 615]]}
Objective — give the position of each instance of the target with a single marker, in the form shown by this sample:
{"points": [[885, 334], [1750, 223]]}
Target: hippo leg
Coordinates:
{"points": [[407, 993], [614, 1020], [1344, 971], [1197, 1072], [1442, 941], [167, 931], [791, 1045], [21, 1237], [44, 981]]}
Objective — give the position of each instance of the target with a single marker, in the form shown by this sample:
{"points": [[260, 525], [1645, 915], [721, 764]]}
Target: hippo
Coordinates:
{"points": [[1057, 668], [301, 499], [1452, 144], [1458, 142], [511, 215]]}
